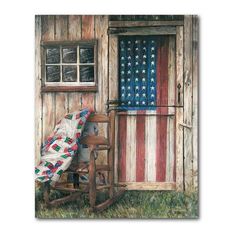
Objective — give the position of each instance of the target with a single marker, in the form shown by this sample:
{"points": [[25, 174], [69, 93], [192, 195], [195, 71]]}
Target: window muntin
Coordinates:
{"points": [[138, 72]]}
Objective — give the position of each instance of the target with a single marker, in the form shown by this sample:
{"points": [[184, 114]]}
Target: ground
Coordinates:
{"points": [[134, 204]]}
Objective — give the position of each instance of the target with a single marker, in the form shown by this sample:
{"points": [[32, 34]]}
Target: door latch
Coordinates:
{"points": [[179, 87]]}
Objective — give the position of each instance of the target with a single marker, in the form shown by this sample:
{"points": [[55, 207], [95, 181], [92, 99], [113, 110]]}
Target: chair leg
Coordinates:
{"points": [[92, 181]]}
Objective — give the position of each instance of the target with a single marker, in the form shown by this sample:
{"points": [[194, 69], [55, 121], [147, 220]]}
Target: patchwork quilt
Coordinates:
{"points": [[61, 147]]}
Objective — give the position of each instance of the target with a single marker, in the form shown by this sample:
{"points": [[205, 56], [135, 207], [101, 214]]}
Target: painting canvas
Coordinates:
{"points": [[116, 126]]}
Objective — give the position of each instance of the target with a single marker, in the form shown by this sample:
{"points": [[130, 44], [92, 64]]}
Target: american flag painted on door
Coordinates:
{"points": [[146, 129]]}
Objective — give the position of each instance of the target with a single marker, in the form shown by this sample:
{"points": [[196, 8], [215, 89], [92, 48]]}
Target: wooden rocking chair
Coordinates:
{"points": [[95, 143]]}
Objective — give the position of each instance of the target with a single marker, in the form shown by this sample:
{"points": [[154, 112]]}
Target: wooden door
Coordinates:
{"points": [[146, 154]]}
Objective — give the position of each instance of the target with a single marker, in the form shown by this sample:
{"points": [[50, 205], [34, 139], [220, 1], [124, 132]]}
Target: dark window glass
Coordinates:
{"points": [[52, 55], [53, 73], [86, 55], [86, 74], [69, 73], [69, 55]]}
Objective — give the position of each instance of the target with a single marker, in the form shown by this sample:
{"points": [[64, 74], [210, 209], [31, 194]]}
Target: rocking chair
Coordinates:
{"points": [[95, 144]]}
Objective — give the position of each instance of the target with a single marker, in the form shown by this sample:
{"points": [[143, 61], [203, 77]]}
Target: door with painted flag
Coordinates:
{"points": [[147, 95]]}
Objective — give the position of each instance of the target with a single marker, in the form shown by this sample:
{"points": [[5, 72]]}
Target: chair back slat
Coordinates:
{"points": [[98, 118]]}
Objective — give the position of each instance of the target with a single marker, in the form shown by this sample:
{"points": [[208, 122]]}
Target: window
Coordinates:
{"points": [[69, 64], [138, 72]]}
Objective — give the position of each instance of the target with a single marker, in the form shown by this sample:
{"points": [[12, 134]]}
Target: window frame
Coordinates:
{"points": [[69, 86]]}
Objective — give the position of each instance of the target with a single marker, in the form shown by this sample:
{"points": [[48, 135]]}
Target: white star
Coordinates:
{"points": [[143, 71], [144, 56], [122, 49], [129, 102], [128, 79], [129, 42], [152, 63], [143, 87], [152, 96], [122, 42], [152, 41], [129, 49], [137, 57], [129, 64], [122, 95], [144, 62], [143, 79], [129, 94], [137, 102], [152, 79], [144, 48], [136, 71], [143, 103], [152, 56], [144, 41], [122, 64], [136, 63], [123, 87], [136, 49], [128, 87], [129, 57], [152, 88], [144, 95], [136, 41], [137, 87], [129, 72], [122, 58], [136, 79], [152, 71], [122, 80], [152, 48], [152, 103], [122, 72], [137, 95]]}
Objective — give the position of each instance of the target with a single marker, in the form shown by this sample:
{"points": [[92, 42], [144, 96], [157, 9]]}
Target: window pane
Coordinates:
{"points": [[53, 55], [53, 73], [69, 74], [86, 55], [86, 74], [69, 55]]}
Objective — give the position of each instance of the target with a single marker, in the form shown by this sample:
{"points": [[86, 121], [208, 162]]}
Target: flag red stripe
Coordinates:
{"points": [[140, 147], [162, 120], [122, 147]]}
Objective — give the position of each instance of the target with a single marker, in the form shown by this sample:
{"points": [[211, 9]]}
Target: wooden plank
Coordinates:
{"points": [[74, 33], [61, 106], [195, 100], [140, 148], [98, 118], [122, 147], [188, 84], [149, 185], [38, 98], [179, 63], [144, 23], [48, 114], [113, 95], [94, 140], [87, 32], [75, 89], [48, 30], [131, 149], [170, 150], [179, 111], [61, 23], [163, 30], [150, 148]]}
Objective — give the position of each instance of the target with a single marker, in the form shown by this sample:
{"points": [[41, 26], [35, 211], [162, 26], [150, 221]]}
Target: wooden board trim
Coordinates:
{"points": [[144, 23], [82, 42], [159, 30], [149, 185], [69, 89]]}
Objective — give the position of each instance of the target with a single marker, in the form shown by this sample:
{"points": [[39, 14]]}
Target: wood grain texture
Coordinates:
{"points": [[144, 23], [131, 149], [38, 98], [122, 148], [188, 85], [195, 99], [179, 112], [48, 100], [150, 186], [140, 148], [61, 106], [74, 33]]}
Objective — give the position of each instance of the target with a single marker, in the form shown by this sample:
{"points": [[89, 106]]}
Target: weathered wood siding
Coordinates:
{"points": [[166, 150]]}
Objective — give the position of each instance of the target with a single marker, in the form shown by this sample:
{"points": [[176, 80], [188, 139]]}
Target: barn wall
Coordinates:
{"points": [[50, 107]]}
